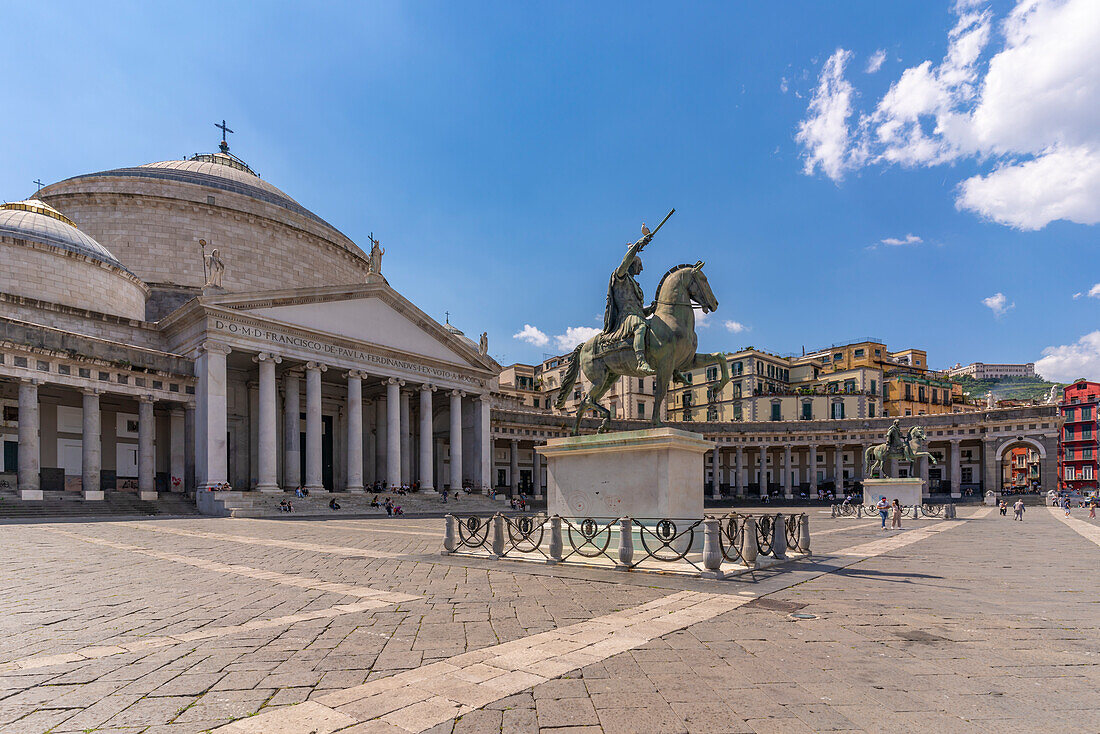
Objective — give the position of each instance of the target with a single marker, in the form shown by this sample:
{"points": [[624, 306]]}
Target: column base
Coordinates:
{"points": [[30, 494], [356, 490], [315, 489], [269, 488], [147, 496], [428, 491], [94, 495], [956, 495]]}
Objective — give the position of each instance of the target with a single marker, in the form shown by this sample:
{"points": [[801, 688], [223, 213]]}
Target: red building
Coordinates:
{"points": [[1078, 443]]}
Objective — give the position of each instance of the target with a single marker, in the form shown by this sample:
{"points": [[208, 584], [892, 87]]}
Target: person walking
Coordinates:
{"points": [[1004, 508], [1092, 508], [895, 519], [1018, 510], [883, 510], [1065, 506]]}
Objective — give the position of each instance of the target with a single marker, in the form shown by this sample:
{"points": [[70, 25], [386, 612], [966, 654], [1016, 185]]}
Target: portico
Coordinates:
{"points": [[365, 390]]}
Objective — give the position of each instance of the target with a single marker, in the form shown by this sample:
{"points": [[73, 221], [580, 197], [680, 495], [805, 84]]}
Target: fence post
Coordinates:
{"points": [[449, 542], [859, 511], [750, 549], [833, 511], [555, 540], [712, 549], [779, 537], [626, 545], [498, 536], [804, 533]]}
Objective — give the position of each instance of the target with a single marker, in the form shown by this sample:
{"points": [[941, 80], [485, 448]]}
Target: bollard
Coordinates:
{"points": [[449, 535], [626, 545], [833, 508], [498, 536], [555, 540], [750, 549], [859, 512], [804, 534], [712, 549], [779, 537], [949, 512]]}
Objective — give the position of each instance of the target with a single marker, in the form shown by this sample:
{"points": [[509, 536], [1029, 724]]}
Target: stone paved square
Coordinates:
{"points": [[237, 625]]}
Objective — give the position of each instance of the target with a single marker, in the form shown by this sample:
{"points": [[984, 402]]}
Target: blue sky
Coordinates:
{"points": [[504, 153]]}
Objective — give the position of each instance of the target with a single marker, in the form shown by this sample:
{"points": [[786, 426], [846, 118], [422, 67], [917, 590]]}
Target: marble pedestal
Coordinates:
{"points": [[30, 494], [908, 491], [647, 475]]}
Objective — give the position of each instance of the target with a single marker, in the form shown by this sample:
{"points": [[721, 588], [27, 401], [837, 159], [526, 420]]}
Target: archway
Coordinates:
{"points": [[1019, 464]]}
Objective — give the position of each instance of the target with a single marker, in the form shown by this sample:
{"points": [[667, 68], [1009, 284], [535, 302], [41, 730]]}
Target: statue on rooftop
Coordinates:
{"points": [[374, 263], [215, 269]]}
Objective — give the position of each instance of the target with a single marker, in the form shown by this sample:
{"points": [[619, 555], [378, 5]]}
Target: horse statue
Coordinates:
{"points": [[669, 347], [876, 456]]}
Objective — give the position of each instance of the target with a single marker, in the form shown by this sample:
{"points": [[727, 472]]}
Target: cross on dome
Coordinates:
{"points": [[224, 146]]}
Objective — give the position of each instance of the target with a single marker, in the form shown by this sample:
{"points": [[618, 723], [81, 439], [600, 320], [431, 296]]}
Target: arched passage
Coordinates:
{"points": [[1019, 462]]}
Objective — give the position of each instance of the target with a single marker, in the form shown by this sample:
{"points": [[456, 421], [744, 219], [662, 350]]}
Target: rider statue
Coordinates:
{"points": [[624, 317], [896, 440]]}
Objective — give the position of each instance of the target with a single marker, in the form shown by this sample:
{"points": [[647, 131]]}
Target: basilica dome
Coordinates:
{"points": [[152, 217], [47, 258]]}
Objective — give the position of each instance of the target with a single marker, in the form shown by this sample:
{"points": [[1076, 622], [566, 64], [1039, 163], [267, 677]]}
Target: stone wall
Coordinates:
{"points": [[153, 227], [52, 274]]}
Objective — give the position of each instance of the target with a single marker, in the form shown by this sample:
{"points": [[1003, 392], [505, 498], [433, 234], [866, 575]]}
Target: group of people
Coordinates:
{"points": [[1017, 509], [388, 505], [891, 509], [1066, 502]]}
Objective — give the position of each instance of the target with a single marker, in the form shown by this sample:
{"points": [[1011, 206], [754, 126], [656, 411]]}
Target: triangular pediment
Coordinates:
{"points": [[372, 313]]}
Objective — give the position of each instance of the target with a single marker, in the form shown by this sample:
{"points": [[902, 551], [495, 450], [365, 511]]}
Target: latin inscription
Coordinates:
{"points": [[357, 355]]}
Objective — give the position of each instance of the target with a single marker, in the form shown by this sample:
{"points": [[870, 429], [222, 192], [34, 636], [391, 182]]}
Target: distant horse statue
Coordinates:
{"points": [[876, 456], [670, 347]]}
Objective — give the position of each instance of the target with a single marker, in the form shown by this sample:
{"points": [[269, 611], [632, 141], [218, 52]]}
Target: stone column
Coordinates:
{"points": [[393, 431], [715, 479], [292, 427], [211, 468], [838, 469], [763, 470], [267, 439], [485, 432], [513, 467], [788, 491], [813, 470], [355, 431], [539, 463], [406, 438], [189, 448], [956, 468], [859, 467], [456, 439], [91, 446], [29, 467], [991, 470], [176, 449], [147, 486], [739, 456], [314, 476], [427, 473], [381, 440]]}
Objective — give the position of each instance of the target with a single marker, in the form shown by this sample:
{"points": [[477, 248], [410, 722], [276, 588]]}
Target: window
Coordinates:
{"points": [[921, 396], [908, 412], [967, 475], [736, 390], [1086, 472], [1085, 454], [849, 386], [738, 367], [908, 392], [871, 410], [838, 410], [1069, 433], [1069, 474], [1069, 413], [874, 387], [807, 411], [935, 396], [712, 373], [1086, 412], [839, 356], [1086, 432], [737, 412], [776, 412], [858, 353], [641, 410]]}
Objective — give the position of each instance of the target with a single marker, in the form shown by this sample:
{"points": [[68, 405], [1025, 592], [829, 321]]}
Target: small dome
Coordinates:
{"points": [[37, 221], [458, 332]]}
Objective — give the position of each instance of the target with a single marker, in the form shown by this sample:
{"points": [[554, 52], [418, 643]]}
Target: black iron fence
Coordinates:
{"points": [[710, 546], [850, 509]]}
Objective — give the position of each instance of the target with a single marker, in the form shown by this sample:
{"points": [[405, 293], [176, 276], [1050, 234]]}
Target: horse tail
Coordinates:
{"points": [[570, 377], [867, 459]]}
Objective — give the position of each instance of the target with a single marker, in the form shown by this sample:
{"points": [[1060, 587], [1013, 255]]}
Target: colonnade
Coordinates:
{"points": [[388, 457]]}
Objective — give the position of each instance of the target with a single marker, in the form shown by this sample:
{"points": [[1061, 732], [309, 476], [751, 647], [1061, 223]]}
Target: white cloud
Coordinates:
{"points": [[875, 62], [1027, 115], [1094, 292], [998, 304], [824, 134], [1077, 295], [702, 319], [1069, 362], [735, 327], [532, 336], [909, 239], [784, 85], [573, 336]]}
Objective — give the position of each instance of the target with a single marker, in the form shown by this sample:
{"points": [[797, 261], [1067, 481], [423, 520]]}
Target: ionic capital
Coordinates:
{"points": [[355, 374], [457, 394], [266, 357], [146, 399], [316, 367], [428, 387], [211, 346]]}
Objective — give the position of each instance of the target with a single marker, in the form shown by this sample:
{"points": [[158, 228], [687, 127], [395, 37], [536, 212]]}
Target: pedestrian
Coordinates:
{"points": [[883, 510], [1004, 508], [1018, 510], [1092, 508], [1065, 506], [895, 520]]}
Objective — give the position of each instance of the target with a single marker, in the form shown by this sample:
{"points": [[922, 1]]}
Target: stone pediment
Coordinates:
{"points": [[372, 313]]}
